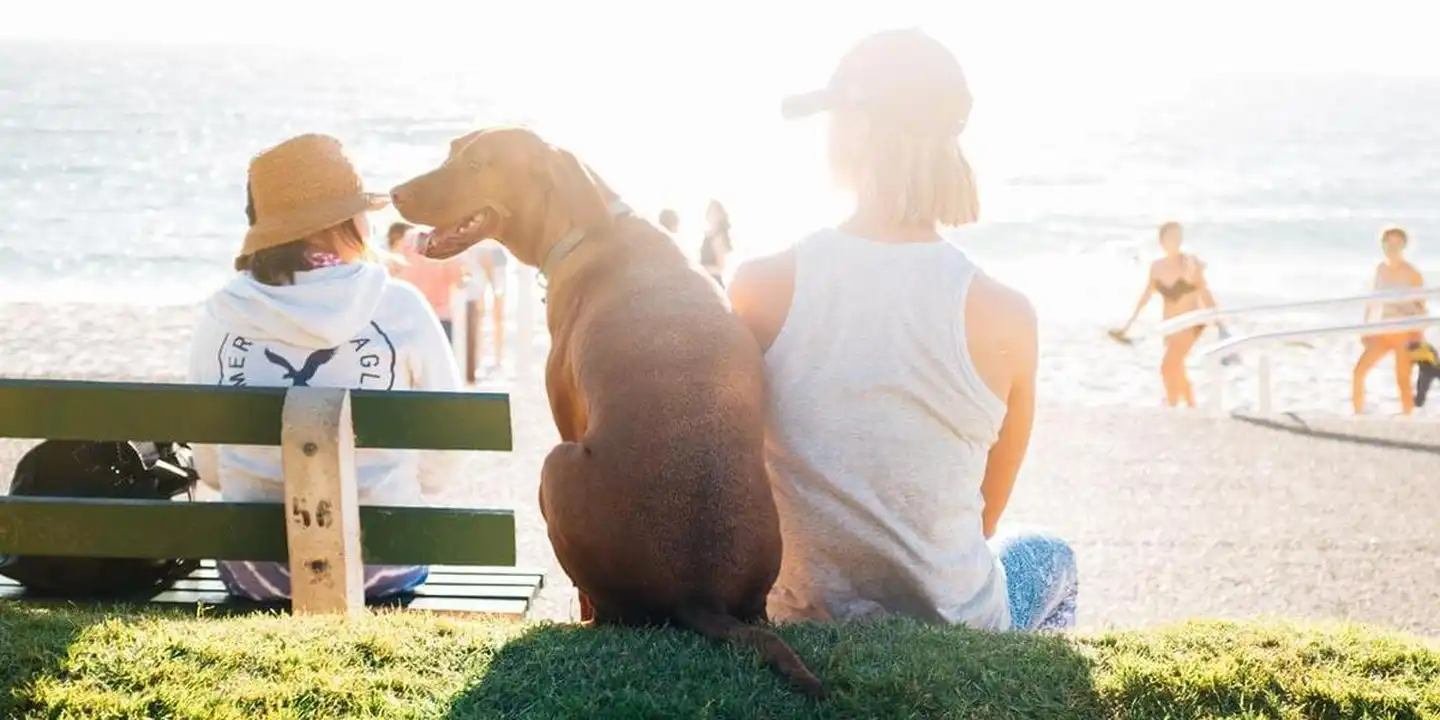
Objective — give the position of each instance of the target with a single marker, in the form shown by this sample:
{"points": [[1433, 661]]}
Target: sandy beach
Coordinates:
{"points": [[1174, 514]]}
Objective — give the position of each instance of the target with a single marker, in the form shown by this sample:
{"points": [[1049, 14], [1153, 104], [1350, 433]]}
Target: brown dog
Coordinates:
{"points": [[657, 500]]}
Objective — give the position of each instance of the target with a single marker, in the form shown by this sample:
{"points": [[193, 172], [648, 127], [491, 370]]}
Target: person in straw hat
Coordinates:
{"points": [[902, 378], [310, 307]]}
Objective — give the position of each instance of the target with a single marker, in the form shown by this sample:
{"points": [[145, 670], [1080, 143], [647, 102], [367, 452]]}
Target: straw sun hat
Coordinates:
{"points": [[300, 187]]}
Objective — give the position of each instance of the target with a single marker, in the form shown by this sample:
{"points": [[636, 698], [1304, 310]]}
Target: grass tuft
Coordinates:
{"points": [[71, 663]]}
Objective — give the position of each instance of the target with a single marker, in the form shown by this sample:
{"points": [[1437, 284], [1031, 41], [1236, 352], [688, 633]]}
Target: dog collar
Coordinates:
{"points": [[567, 244]]}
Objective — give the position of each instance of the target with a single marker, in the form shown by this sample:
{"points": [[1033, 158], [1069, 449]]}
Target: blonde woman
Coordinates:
{"points": [[1179, 279], [1394, 273], [899, 417], [309, 307]]}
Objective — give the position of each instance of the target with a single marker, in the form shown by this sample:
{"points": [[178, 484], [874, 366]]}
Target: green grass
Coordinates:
{"points": [[58, 663]]}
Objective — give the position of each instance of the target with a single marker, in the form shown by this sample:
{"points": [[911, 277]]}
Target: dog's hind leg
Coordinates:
{"points": [[564, 487], [587, 607]]}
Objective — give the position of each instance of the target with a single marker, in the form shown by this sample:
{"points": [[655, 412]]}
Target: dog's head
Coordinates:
{"points": [[507, 184]]}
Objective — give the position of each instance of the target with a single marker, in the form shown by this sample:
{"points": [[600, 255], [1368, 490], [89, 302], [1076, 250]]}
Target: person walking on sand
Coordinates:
{"points": [[436, 279], [1179, 278], [310, 307], [715, 247], [1394, 273], [899, 416], [486, 263]]}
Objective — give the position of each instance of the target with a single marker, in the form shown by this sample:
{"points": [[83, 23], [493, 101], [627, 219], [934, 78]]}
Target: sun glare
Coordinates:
{"points": [[678, 103]]}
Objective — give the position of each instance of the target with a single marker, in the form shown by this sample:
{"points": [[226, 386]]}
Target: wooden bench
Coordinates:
{"points": [[320, 529]]}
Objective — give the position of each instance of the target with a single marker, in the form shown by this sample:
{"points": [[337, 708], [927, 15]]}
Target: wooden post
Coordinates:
{"points": [[322, 507]]}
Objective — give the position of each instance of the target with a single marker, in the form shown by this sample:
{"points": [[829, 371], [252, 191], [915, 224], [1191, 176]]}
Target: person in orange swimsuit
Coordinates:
{"points": [[1392, 274], [1179, 278]]}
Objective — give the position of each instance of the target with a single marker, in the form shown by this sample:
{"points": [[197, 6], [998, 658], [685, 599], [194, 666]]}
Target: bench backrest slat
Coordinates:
{"points": [[244, 531], [84, 410]]}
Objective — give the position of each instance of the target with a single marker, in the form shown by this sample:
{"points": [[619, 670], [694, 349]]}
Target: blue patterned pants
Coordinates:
{"points": [[1042, 579], [270, 581]]}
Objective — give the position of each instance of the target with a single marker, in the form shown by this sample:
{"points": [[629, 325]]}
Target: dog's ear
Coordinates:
{"points": [[583, 194], [459, 145]]}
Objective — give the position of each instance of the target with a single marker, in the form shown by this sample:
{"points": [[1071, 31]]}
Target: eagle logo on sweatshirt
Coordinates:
{"points": [[364, 362], [301, 377]]}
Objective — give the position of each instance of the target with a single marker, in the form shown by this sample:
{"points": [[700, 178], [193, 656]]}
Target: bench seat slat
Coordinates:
{"points": [[496, 574], [244, 531], [465, 605], [429, 589], [221, 603], [86, 410], [202, 588], [437, 576], [208, 580]]}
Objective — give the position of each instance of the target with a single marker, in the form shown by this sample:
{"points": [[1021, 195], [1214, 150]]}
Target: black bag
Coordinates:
{"points": [[119, 470]]}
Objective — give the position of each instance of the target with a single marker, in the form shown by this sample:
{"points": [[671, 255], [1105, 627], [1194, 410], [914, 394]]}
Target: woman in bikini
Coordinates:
{"points": [[1393, 274], [1180, 280]]}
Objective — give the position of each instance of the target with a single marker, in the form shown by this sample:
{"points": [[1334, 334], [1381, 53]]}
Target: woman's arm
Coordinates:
{"points": [[1372, 307], [760, 293], [1418, 280], [1202, 286], [1008, 453], [1145, 296]]}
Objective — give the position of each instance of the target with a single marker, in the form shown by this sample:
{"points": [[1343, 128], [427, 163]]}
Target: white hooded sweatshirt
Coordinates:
{"points": [[340, 326]]}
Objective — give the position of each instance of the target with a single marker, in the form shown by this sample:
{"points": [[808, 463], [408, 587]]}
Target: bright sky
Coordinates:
{"points": [[776, 38], [706, 78]]}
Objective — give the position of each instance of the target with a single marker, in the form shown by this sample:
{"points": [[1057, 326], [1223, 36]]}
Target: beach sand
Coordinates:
{"points": [[1173, 514]]}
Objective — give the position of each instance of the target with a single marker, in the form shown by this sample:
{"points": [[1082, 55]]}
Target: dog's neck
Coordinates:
{"points": [[568, 242]]}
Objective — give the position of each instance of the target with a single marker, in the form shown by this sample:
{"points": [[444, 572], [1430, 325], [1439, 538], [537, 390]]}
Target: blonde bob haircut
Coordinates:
{"points": [[910, 178]]}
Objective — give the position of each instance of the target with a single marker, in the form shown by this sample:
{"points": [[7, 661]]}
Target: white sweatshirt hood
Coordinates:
{"points": [[324, 307], [350, 326]]}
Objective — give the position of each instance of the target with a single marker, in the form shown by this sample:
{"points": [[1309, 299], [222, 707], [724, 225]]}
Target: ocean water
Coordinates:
{"points": [[122, 171]]}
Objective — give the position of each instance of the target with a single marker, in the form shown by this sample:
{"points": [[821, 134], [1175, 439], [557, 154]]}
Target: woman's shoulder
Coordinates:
{"points": [[765, 275], [1004, 303], [761, 291]]}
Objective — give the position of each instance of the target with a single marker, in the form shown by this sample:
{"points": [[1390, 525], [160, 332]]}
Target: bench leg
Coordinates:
{"points": [[321, 502]]}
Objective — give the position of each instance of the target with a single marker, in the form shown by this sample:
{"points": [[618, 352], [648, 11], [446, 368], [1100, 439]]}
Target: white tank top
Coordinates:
{"points": [[879, 432]]}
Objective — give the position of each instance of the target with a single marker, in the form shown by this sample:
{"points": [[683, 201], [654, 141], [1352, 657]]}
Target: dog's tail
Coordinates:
{"points": [[717, 625]]}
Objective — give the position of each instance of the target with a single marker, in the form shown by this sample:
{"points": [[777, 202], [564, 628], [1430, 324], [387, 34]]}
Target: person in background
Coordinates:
{"points": [[1180, 279], [1427, 365], [436, 279], [310, 307], [670, 220], [486, 263], [715, 247], [899, 416], [1394, 273]]}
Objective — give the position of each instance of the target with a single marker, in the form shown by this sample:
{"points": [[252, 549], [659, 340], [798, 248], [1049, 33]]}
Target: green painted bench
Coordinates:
{"points": [[471, 551]]}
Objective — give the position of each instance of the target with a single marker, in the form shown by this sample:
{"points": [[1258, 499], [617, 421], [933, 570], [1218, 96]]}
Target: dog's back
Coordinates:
{"points": [[674, 385], [679, 501]]}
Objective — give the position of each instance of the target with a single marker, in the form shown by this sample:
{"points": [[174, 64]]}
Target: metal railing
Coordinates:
{"points": [[1213, 353]]}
